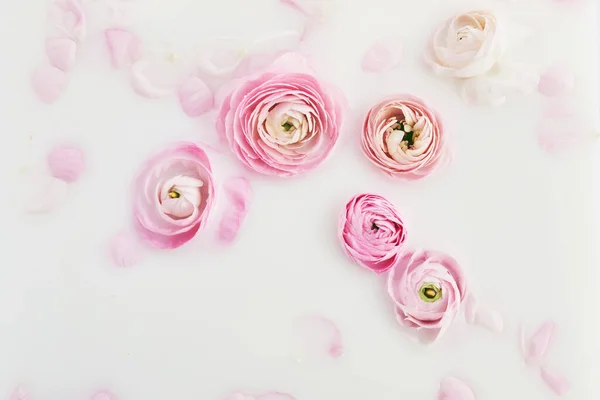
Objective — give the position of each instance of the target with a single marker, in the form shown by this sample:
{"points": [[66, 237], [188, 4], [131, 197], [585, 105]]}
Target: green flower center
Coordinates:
{"points": [[374, 227], [430, 292], [287, 126]]}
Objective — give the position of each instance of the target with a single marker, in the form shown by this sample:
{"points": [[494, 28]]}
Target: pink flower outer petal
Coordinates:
{"points": [[539, 343], [382, 56], [195, 97], [124, 250], [66, 163], [48, 83], [239, 192], [555, 381], [318, 336], [123, 46], [61, 52], [454, 389]]}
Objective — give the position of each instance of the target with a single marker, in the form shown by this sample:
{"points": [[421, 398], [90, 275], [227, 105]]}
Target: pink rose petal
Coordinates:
{"points": [[556, 81], [66, 163], [489, 319], [470, 309], [454, 389], [48, 82], [538, 344], [123, 46], [382, 56], [316, 337], [124, 250], [275, 396], [61, 52], [195, 97], [239, 195], [69, 18], [555, 381]]}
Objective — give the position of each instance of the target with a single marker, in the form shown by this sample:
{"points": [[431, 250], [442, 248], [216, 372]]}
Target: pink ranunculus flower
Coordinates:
{"points": [[404, 137], [427, 288], [282, 121], [174, 192], [372, 232]]}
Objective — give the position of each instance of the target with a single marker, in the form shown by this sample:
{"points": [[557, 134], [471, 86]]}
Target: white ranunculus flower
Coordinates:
{"points": [[467, 45]]}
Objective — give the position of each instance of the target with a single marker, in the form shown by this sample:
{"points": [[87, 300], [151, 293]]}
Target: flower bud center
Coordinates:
{"points": [[430, 292], [174, 195]]}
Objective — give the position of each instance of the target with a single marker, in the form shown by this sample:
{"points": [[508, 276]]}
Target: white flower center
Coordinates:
{"points": [[286, 125], [180, 196]]}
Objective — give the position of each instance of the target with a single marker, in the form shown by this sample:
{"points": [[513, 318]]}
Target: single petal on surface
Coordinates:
{"points": [[454, 389], [555, 381], [239, 196], [538, 344], [382, 56], [66, 163], [123, 46], [489, 319], [124, 250], [43, 193], [317, 337], [61, 52], [149, 82], [195, 97], [470, 309], [48, 82]]}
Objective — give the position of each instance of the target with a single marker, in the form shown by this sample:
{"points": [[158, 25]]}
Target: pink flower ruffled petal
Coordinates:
{"points": [[48, 82], [382, 56], [66, 163], [556, 81], [536, 348], [61, 52], [239, 194], [317, 337], [124, 250], [454, 389], [490, 319], [555, 381], [195, 97], [123, 46]]}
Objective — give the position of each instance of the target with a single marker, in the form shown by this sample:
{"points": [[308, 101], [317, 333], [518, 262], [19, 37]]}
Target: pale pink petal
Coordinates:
{"points": [[382, 56], [275, 396], [454, 389], [317, 337], [195, 97], [556, 81], [20, 393], [66, 163], [69, 18], [239, 196], [539, 342], [48, 82], [149, 82], [222, 57], [124, 250], [61, 52], [103, 395], [555, 381], [470, 309], [489, 319], [123, 46], [42, 193]]}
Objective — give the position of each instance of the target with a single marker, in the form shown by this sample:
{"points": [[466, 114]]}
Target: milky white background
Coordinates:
{"points": [[197, 322]]}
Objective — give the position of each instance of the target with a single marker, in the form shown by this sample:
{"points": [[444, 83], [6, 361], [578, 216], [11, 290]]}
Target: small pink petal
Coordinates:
{"points": [[556, 81], [382, 56], [470, 308], [124, 250], [539, 342], [239, 194], [555, 381], [61, 52], [195, 97], [275, 396], [317, 337], [66, 163], [20, 393], [489, 319], [454, 389], [123, 46], [48, 82]]}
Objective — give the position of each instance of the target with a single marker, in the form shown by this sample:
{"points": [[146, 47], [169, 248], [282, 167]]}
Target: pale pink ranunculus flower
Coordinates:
{"points": [[281, 121], [173, 195], [467, 45], [404, 137], [427, 288], [372, 232]]}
